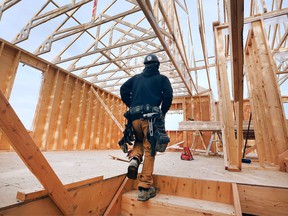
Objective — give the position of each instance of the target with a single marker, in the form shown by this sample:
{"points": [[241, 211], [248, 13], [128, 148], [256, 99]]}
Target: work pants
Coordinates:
{"points": [[143, 147]]}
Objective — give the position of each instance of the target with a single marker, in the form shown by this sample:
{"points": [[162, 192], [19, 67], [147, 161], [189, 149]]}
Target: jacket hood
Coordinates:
{"points": [[151, 70]]}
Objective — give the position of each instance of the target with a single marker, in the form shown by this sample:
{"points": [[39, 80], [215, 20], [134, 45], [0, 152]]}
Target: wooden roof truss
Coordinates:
{"points": [[118, 40], [114, 39]]}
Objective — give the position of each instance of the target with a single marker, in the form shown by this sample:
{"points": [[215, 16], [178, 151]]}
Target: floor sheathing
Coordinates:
{"points": [[75, 166]]}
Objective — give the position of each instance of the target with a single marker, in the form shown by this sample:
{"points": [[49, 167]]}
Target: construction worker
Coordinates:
{"points": [[143, 93]]}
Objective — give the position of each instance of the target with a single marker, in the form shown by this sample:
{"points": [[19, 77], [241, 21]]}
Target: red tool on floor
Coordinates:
{"points": [[187, 155]]}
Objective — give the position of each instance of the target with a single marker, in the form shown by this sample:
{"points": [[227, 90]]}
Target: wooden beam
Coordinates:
{"points": [[183, 71], [230, 146], [236, 22], [107, 109], [25, 196], [41, 17], [105, 49], [6, 5], [208, 125], [264, 16], [26, 148]]}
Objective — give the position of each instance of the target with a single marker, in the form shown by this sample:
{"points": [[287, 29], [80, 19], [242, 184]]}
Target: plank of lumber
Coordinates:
{"points": [[208, 125], [176, 145], [24, 196], [28, 151], [236, 200], [200, 125], [164, 204], [236, 21], [118, 158], [107, 109]]}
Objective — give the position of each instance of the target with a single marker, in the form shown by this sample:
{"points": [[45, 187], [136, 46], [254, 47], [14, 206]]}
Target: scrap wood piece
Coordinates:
{"points": [[127, 160], [177, 147], [24, 196], [118, 158]]}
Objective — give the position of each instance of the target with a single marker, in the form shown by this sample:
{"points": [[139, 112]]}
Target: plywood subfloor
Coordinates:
{"points": [[73, 166]]}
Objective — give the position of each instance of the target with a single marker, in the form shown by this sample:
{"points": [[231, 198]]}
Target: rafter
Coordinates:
{"points": [[181, 68]]}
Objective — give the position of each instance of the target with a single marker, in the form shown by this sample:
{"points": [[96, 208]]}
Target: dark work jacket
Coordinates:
{"points": [[149, 87]]}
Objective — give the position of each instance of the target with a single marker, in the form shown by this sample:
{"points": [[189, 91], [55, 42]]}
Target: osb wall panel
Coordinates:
{"points": [[69, 116]]}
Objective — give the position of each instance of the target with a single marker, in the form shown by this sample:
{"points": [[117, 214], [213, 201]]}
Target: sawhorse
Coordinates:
{"points": [[212, 139], [197, 134]]}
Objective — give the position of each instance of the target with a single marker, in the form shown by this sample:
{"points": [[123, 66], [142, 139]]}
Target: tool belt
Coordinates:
{"points": [[137, 112], [143, 109]]}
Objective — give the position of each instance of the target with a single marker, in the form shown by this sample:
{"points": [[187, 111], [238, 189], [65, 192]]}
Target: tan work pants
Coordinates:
{"points": [[143, 147]]}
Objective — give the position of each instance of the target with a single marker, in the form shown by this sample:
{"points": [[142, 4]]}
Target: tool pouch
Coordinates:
{"points": [[128, 136], [160, 135]]}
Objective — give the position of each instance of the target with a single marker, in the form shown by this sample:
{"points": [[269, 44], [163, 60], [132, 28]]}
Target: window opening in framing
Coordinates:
{"points": [[172, 119], [25, 93]]}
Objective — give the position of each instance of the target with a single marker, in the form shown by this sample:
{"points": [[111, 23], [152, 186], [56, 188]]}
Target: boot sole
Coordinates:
{"points": [[132, 172], [151, 196]]}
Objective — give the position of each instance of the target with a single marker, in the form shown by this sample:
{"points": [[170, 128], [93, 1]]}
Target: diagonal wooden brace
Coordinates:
{"points": [[31, 155]]}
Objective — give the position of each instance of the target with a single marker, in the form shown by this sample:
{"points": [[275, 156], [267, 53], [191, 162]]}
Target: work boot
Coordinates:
{"points": [[133, 169], [145, 194]]}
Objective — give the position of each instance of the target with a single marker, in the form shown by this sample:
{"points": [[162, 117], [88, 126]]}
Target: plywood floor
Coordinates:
{"points": [[73, 166]]}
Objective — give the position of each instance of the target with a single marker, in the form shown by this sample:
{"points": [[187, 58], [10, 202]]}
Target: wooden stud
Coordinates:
{"points": [[71, 144], [88, 120], [47, 137], [42, 109], [228, 140], [236, 200]]}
